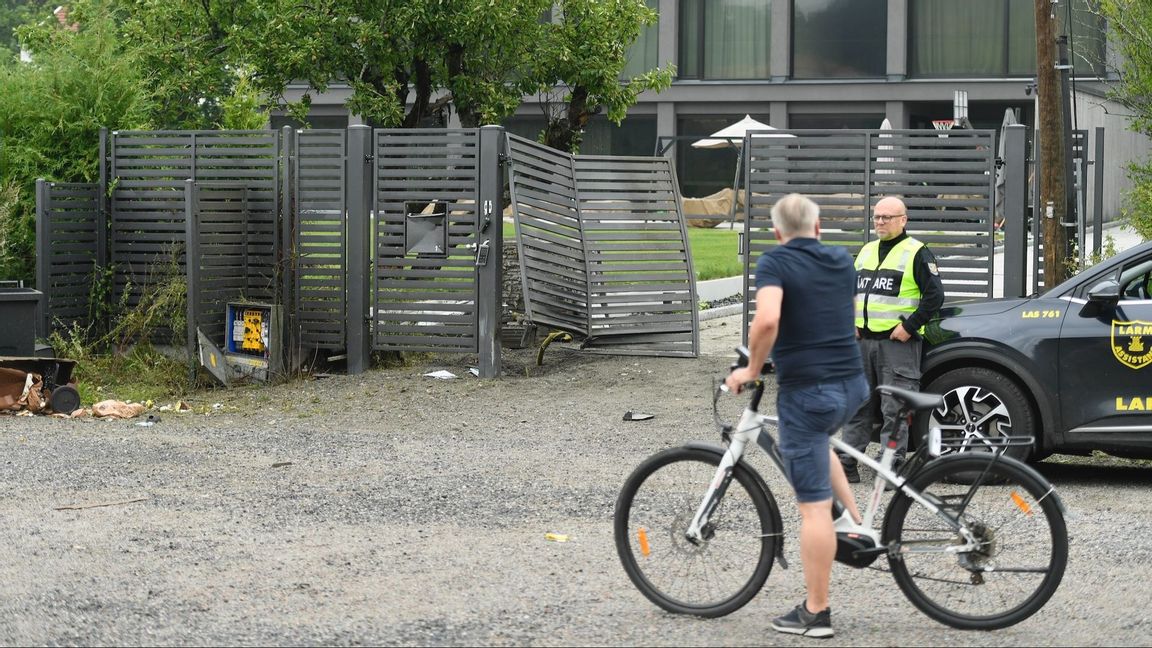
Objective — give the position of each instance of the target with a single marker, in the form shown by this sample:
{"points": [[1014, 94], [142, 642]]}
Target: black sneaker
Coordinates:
{"points": [[804, 623], [852, 473]]}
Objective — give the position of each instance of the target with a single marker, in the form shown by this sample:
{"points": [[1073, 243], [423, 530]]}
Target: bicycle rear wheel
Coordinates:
{"points": [[723, 572], [1023, 543]]}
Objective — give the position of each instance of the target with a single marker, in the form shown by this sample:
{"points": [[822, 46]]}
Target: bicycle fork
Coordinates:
{"points": [[747, 429]]}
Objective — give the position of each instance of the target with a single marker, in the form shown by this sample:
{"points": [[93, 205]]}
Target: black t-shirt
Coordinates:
{"points": [[817, 337]]}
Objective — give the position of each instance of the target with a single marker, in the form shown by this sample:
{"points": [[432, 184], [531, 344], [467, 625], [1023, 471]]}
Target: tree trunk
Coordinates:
{"points": [[1052, 149], [566, 132], [423, 74]]}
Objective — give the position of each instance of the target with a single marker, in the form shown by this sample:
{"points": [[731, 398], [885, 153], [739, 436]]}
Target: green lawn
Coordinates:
{"points": [[715, 252]]}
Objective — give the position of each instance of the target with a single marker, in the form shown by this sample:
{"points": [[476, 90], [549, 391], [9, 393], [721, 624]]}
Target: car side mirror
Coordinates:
{"points": [[1101, 297]]}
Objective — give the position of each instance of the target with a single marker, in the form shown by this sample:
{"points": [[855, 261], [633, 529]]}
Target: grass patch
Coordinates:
{"points": [[715, 252]]}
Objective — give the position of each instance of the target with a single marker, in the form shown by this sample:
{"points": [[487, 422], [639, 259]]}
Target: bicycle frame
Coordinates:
{"points": [[753, 427]]}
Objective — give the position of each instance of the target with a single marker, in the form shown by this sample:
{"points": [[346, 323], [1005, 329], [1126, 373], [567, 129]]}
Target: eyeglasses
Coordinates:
{"points": [[886, 218]]}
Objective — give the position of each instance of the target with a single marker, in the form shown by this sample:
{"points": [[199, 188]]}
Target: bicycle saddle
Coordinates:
{"points": [[914, 400]]}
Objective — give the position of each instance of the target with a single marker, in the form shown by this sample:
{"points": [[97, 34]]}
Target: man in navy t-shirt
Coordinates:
{"points": [[806, 320]]}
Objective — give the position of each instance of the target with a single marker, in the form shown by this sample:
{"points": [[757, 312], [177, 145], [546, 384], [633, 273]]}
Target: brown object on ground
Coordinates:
{"points": [[117, 409], [20, 390]]}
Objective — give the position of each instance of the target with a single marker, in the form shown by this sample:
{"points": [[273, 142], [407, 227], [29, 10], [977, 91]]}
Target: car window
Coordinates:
{"points": [[1136, 280]]}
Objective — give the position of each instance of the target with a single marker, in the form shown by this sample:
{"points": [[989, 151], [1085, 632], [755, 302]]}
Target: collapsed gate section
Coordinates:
{"points": [[946, 181], [604, 249]]}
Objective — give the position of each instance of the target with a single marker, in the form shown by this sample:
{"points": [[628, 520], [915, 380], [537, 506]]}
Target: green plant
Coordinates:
{"points": [[1138, 203]]}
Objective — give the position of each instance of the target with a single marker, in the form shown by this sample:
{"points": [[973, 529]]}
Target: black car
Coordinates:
{"points": [[1071, 368]]}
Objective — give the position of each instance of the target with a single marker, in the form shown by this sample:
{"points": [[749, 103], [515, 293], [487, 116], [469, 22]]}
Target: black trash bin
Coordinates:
{"points": [[19, 310]]}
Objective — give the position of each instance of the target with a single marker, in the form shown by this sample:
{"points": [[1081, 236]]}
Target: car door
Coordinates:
{"points": [[1105, 363]]}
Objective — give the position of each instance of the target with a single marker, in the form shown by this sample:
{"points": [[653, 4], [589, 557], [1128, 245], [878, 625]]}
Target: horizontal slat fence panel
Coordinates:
{"points": [[603, 249], [548, 232], [68, 250], [946, 181], [642, 290], [218, 236], [426, 300], [321, 237], [148, 171]]}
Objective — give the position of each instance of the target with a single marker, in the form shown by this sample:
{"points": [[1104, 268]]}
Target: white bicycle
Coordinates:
{"points": [[974, 539]]}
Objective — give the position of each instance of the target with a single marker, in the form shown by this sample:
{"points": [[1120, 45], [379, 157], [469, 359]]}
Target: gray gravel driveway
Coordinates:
{"points": [[389, 508]]}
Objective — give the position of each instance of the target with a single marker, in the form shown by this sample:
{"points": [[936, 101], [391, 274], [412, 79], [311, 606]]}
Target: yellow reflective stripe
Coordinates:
{"points": [[901, 303]]}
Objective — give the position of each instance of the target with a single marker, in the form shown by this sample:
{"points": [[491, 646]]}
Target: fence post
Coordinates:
{"points": [[358, 199], [104, 233], [1015, 202], [490, 255], [287, 261], [192, 274], [1098, 192], [43, 256]]}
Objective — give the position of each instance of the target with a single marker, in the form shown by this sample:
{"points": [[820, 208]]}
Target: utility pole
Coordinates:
{"points": [[1053, 205]]}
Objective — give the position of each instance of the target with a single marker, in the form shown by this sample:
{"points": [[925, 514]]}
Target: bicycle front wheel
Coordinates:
{"points": [[1022, 542], [727, 568]]}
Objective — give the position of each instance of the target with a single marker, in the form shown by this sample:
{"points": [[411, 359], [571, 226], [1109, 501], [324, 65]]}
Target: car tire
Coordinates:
{"points": [[983, 403]]}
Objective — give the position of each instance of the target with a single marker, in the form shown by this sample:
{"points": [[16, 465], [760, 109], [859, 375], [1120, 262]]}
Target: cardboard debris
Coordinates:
{"points": [[117, 409]]}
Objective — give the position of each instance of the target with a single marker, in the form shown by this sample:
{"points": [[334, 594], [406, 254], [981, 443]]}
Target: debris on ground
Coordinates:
{"points": [[637, 416], [443, 374], [117, 409]]}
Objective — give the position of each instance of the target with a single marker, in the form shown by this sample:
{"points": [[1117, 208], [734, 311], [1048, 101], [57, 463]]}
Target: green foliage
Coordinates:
{"points": [[1138, 207], [140, 374], [243, 109], [407, 61], [582, 55], [51, 112], [1130, 27], [15, 14]]}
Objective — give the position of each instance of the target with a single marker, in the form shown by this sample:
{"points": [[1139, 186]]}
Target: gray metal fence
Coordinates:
{"points": [[217, 235], [604, 250], [427, 235], [148, 170], [945, 179], [70, 250], [369, 240], [319, 237]]}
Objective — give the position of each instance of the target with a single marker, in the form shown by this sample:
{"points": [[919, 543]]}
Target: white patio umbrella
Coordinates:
{"points": [[885, 126], [733, 137], [1009, 119]]}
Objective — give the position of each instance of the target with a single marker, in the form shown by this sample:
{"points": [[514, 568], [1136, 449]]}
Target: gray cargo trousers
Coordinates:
{"points": [[886, 362]]}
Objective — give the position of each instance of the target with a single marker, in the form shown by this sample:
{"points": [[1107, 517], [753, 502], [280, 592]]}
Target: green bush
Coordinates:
{"points": [[51, 112], [1138, 210]]}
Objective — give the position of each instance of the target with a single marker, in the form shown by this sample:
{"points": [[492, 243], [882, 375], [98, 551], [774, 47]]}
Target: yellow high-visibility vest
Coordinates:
{"points": [[885, 291]]}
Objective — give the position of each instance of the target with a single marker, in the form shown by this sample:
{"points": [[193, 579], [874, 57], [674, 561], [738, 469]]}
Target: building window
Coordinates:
{"points": [[839, 39], [643, 55], [1086, 50], [725, 39], [981, 38], [835, 120]]}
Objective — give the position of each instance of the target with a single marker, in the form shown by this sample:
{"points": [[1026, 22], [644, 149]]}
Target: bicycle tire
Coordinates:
{"points": [[1020, 523], [661, 497]]}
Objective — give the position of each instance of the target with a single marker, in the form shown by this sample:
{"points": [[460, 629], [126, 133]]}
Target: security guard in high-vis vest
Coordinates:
{"points": [[898, 290]]}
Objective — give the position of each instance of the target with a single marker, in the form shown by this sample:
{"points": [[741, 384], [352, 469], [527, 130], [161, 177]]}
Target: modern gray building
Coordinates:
{"points": [[839, 64]]}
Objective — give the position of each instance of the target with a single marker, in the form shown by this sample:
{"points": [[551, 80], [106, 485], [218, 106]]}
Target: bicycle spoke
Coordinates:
{"points": [[1005, 576]]}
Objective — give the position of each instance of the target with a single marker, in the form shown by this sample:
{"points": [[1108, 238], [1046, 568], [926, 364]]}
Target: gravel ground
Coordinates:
{"points": [[388, 508]]}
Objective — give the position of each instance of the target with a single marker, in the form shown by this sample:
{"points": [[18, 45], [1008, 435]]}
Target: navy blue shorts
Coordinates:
{"points": [[809, 415]]}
